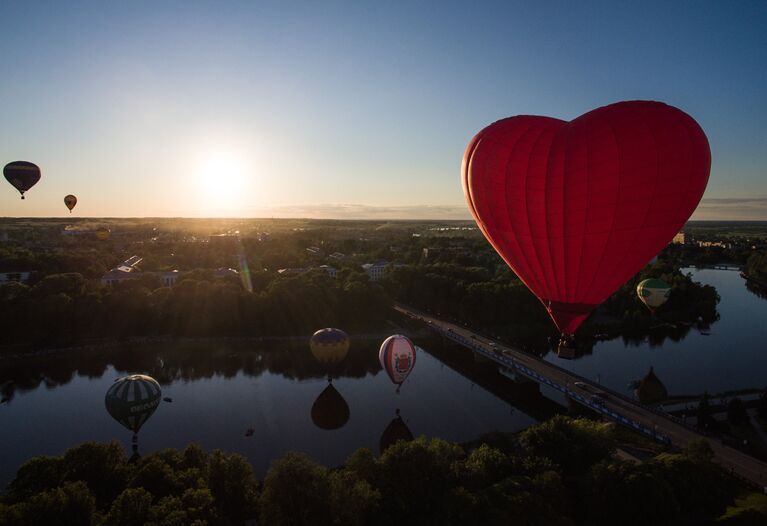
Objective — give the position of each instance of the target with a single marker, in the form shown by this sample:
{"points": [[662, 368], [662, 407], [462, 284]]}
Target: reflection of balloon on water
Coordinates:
{"points": [[23, 175], [330, 410], [577, 208], [397, 357], [131, 400], [102, 233], [329, 345], [396, 430], [653, 293], [70, 201]]}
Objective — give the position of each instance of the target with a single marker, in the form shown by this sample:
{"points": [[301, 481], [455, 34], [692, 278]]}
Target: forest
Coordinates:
{"points": [[561, 472]]}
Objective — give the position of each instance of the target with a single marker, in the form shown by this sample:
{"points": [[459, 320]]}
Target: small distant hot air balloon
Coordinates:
{"points": [[397, 357], [330, 411], [70, 201], [23, 175], [102, 233], [653, 293], [396, 430], [131, 400], [329, 345]]}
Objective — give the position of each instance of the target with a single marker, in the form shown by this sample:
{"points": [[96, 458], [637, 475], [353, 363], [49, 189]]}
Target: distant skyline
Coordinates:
{"points": [[350, 109]]}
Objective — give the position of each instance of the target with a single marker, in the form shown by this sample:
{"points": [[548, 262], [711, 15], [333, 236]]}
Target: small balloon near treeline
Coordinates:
{"points": [[131, 400], [329, 345], [653, 293], [577, 208]]}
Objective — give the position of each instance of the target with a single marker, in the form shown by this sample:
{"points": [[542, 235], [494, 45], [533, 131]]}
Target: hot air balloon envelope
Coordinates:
{"points": [[70, 201], [329, 345], [653, 292], [103, 234], [577, 208], [397, 357], [396, 430], [131, 400], [23, 175]]}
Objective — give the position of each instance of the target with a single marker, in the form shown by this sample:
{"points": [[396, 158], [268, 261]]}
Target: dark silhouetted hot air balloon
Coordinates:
{"points": [[653, 293], [396, 430], [70, 201], [22, 175], [131, 400], [330, 410], [577, 208], [329, 345], [397, 357]]}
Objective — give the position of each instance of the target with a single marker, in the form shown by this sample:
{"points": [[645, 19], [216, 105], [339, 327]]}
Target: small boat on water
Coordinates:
{"points": [[168, 399]]}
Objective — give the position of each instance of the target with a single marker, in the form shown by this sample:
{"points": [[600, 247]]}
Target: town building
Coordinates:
{"points": [[20, 276], [126, 271], [376, 270]]}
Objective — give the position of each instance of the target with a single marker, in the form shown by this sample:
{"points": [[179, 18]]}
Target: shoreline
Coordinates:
{"points": [[8, 354]]}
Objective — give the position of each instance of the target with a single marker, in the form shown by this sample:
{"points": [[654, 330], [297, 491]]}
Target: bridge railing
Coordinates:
{"points": [[510, 362]]}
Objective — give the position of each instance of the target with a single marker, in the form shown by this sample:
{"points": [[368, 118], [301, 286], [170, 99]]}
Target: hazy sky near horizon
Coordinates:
{"points": [[350, 109]]}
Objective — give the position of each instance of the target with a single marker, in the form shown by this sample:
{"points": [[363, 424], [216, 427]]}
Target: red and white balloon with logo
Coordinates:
{"points": [[397, 357]]}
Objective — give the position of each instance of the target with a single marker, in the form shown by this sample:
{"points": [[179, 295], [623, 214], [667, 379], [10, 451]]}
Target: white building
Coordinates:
{"points": [[20, 276], [118, 275], [127, 270], [376, 270], [169, 277], [331, 271]]}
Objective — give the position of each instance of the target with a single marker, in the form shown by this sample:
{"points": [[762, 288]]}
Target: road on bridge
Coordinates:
{"points": [[745, 466]]}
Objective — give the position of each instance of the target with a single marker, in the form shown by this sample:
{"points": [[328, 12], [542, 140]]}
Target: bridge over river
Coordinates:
{"points": [[648, 420]]}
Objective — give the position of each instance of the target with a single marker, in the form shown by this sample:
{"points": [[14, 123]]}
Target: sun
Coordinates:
{"points": [[223, 180]]}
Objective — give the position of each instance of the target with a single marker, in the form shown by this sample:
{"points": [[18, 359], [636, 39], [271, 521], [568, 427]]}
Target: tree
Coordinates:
{"points": [[573, 445], [762, 407], [705, 420], [130, 508], [415, 479], [630, 494], [68, 505], [736, 412], [296, 492], [232, 484]]}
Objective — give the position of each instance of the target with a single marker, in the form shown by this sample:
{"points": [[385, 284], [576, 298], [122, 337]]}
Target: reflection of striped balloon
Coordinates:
{"points": [[397, 357], [132, 400]]}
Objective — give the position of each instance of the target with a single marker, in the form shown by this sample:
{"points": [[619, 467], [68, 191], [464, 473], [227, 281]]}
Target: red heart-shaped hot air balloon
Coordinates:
{"points": [[577, 208]]}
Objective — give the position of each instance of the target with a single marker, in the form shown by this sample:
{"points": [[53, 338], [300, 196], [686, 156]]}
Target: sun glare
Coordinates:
{"points": [[224, 183]]}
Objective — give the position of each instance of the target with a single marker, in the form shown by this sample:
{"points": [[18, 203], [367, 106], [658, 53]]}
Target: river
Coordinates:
{"points": [[219, 390]]}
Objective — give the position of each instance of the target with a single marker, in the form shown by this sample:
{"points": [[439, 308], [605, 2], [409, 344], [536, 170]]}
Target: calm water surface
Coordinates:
{"points": [[732, 356], [219, 390]]}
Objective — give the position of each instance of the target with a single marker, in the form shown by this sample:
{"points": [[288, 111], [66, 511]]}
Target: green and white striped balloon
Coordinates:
{"points": [[131, 400], [653, 292]]}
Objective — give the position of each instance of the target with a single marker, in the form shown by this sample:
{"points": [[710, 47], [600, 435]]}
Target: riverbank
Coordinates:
{"points": [[20, 351]]}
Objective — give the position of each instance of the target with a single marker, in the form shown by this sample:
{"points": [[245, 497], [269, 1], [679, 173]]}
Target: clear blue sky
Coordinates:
{"points": [[350, 108]]}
